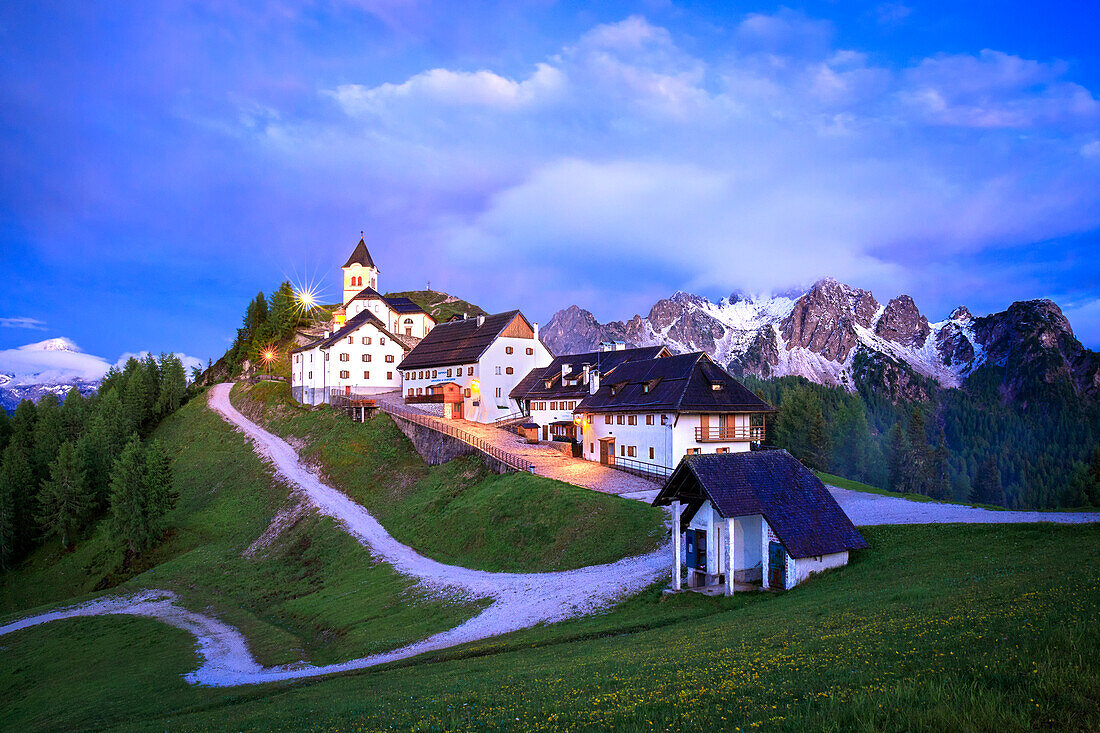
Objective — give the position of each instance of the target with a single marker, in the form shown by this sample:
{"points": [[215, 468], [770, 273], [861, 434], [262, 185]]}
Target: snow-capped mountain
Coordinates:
{"points": [[52, 366], [838, 335]]}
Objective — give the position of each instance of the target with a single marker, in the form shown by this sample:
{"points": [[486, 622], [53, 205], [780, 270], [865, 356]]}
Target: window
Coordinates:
{"points": [[608, 419], [508, 349], [366, 375], [345, 375], [435, 373], [619, 419], [389, 375], [632, 451], [469, 371], [326, 356], [365, 340], [345, 357], [410, 391], [498, 392], [366, 357], [381, 340], [467, 393], [692, 451], [622, 451], [716, 387], [530, 351], [651, 453], [591, 447], [649, 421], [553, 405], [664, 419], [498, 370], [389, 358], [419, 391], [448, 372], [351, 339], [722, 450], [311, 375], [509, 370], [632, 420], [408, 320], [296, 356]]}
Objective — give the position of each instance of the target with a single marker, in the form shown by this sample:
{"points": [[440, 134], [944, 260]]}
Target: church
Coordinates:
{"points": [[368, 338]]}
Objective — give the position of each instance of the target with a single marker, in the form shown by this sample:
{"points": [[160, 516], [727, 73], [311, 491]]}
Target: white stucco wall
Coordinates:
{"points": [[313, 376], [746, 544], [806, 566], [670, 441]]}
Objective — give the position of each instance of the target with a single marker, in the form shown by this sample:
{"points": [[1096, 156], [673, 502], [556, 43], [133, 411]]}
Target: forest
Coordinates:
{"points": [[68, 465], [961, 445]]}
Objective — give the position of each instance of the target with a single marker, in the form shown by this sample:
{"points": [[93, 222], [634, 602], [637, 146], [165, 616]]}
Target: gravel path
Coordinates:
{"points": [[548, 461], [519, 600], [865, 509]]}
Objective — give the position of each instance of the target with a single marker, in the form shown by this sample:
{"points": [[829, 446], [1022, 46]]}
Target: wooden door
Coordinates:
{"points": [[607, 452], [456, 410], [777, 566]]}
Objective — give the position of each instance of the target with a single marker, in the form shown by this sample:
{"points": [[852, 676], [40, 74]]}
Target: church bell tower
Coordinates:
{"points": [[359, 271]]}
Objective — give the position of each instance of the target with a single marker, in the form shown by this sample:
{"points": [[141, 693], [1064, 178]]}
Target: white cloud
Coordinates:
{"points": [[21, 322], [1084, 317], [55, 361]]}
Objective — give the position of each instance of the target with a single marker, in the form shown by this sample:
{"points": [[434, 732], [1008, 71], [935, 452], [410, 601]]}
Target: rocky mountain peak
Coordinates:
{"points": [[822, 319], [902, 323], [962, 313]]}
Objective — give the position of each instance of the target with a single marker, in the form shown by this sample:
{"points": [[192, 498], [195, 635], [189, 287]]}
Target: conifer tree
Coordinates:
{"points": [[138, 399], [16, 516], [49, 434], [987, 487], [64, 499], [158, 481], [140, 497], [22, 424], [173, 385], [5, 429], [898, 460], [103, 441], [283, 314], [74, 413]]}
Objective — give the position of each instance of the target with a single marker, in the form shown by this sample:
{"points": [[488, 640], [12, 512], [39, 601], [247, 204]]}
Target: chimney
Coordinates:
{"points": [[585, 372], [566, 369], [536, 325], [593, 382], [326, 333], [480, 321]]}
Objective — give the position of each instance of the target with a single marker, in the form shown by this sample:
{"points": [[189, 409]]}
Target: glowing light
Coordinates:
{"points": [[305, 298], [269, 355], [475, 386]]}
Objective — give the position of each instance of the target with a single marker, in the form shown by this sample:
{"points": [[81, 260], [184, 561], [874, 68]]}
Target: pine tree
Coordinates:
{"points": [[64, 498], [919, 454], [152, 369], [74, 413], [173, 385], [898, 460], [22, 425], [102, 442], [5, 429], [255, 315], [16, 507], [987, 487], [937, 478], [283, 314], [138, 399], [140, 497], [49, 434]]}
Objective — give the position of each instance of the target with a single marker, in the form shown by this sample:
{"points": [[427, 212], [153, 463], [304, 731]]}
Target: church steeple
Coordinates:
{"points": [[359, 271]]}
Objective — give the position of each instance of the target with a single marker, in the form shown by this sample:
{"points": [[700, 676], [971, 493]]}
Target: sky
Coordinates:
{"points": [[161, 163]]}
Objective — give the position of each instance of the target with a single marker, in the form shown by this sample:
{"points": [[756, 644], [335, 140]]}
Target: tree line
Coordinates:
{"points": [[66, 465], [962, 444], [267, 320]]}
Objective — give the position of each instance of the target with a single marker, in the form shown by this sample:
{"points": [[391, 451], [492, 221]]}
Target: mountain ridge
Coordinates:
{"points": [[838, 335]]}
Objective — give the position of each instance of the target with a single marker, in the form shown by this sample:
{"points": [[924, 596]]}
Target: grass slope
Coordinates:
{"points": [[312, 593], [946, 627], [460, 512], [440, 306]]}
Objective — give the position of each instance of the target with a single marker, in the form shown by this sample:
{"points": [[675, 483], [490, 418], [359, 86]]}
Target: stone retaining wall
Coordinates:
{"points": [[436, 448]]}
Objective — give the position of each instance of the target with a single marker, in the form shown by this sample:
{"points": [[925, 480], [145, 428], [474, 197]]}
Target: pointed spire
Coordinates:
{"points": [[361, 256]]}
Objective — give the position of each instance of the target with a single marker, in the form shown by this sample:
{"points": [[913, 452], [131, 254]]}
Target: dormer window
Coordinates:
{"points": [[716, 386]]}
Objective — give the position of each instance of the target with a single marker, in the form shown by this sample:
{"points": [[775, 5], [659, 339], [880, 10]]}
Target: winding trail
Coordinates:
{"points": [[519, 600]]}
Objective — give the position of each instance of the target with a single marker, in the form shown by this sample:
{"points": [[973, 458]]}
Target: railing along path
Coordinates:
{"points": [[509, 460]]}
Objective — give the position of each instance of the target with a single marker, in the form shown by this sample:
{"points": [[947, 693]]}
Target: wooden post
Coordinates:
{"points": [[729, 558], [676, 545]]}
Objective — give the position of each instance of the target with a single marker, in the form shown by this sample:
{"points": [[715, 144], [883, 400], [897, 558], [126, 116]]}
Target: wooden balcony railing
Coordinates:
{"points": [[720, 435], [509, 461], [420, 399]]}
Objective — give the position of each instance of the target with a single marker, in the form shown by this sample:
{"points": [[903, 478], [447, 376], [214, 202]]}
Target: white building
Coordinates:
{"points": [[369, 337], [762, 514], [646, 415], [549, 395], [485, 357]]}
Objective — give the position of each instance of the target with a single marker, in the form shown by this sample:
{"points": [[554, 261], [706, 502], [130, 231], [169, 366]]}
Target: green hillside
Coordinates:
{"points": [[440, 306]]}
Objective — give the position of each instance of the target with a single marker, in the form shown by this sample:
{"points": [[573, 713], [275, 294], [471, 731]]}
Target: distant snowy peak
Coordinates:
{"points": [[839, 335], [54, 344]]}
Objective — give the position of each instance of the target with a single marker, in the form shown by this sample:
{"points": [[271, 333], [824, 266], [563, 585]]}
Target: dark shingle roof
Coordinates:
{"points": [[360, 256], [602, 361], [796, 505], [404, 305], [525, 384], [457, 342], [362, 318], [681, 383]]}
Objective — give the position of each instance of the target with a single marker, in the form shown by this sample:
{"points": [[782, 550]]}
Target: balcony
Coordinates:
{"points": [[420, 399], [726, 435]]}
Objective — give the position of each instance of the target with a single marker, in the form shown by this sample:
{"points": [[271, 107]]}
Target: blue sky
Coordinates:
{"points": [[162, 162]]}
